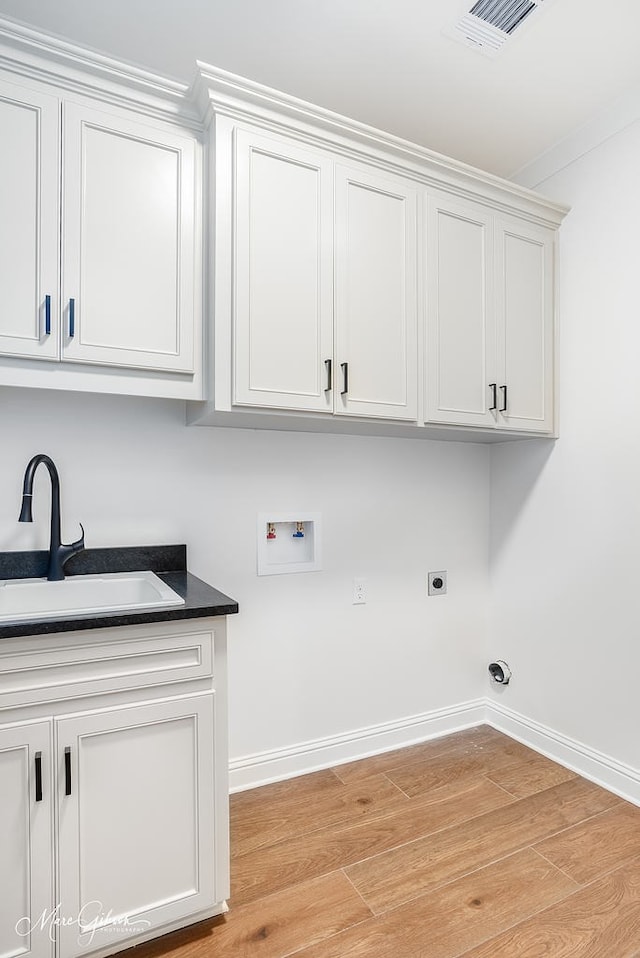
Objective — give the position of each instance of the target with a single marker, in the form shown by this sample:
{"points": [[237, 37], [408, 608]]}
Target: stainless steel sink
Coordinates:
{"points": [[83, 596]]}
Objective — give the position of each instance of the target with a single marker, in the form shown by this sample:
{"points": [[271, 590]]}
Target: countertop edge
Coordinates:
{"points": [[201, 601]]}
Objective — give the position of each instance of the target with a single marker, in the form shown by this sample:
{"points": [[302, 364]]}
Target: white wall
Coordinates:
{"points": [[566, 516], [304, 662]]}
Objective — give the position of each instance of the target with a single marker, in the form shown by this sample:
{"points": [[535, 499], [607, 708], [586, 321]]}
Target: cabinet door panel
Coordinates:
{"points": [[137, 830], [460, 337], [283, 281], [128, 248], [29, 168], [26, 883], [376, 301], [524, 267]]}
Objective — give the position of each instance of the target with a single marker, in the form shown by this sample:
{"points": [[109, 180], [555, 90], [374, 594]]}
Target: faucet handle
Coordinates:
{"points": [[78, 545], [71, 549]]}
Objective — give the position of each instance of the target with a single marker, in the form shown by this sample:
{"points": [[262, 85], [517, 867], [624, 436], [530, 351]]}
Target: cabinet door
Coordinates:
{"points": [[376, 298], [283, 280], [525, 323], [128, 243], [26, 874], [29, 224], [460, 320], [136, 832]]}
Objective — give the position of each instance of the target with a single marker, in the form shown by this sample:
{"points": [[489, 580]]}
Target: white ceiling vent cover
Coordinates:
{"points": [[490, 23]]}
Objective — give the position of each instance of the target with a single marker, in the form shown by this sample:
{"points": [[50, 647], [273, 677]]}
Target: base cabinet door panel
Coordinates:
{"points": [[460, 327], [283, 285], [524, 311], [376, 296], [29, 225], [26, 835], [136, 822]]}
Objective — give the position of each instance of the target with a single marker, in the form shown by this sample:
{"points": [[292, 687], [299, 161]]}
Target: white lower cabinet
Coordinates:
{"points": [[26, 836], [136, 788], [135, 819]]}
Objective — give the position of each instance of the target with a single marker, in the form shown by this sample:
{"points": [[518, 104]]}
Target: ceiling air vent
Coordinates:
{"points": [[489, 23]]}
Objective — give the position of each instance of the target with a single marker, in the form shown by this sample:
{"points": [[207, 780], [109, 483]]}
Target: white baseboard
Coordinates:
{"points": [[623, 780], [250, 771], [278, 764]]}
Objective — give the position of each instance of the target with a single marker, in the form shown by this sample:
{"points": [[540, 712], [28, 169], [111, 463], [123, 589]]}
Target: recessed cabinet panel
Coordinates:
{"points": [[128, 251], [25, 841], [525, 324], [460, 341], [29, 169], [376, 317], [138, 815], [282, 282]]}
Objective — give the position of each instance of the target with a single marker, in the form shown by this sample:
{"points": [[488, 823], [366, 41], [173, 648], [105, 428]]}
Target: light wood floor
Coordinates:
{"points": [[471, 846]]}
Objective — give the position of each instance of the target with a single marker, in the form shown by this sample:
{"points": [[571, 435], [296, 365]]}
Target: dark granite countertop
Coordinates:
{"points": [[168, 562]]}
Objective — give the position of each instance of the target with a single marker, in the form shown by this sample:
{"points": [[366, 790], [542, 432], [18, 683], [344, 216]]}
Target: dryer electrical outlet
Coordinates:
{"points": [[437, 583]]}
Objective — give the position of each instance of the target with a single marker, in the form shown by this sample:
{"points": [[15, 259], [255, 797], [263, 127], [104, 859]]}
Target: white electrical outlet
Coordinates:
{"points": [[436, 583], [359, 592]]}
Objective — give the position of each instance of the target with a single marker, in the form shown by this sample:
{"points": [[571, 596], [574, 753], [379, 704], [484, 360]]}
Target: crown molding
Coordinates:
{"points": [[616, 117], [219, 93], [26, 52]]}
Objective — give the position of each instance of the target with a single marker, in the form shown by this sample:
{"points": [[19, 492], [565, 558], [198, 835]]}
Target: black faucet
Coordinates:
{"points": [[59, 553]]}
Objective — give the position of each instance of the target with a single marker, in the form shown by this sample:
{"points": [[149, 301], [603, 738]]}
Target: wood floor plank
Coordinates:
{"points": [[600, 921], [592, 848], [315, 783], [530, 776], [273, 927], [479, 758], [277, 866], [293, 814], [448, 873], [456, 917], [387, 761], [406, 872]]}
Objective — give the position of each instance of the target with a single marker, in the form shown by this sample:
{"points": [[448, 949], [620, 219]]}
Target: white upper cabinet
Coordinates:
{"points": [[101, 186], [360, 283], [376, 301], [460, 322], [323, 276], [490, 323], [283, 284], [128, 263], [524, 318], [30, 223]]}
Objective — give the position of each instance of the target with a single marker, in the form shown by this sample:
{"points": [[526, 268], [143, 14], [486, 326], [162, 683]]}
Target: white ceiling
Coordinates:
{"points": [[384, 62]]}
